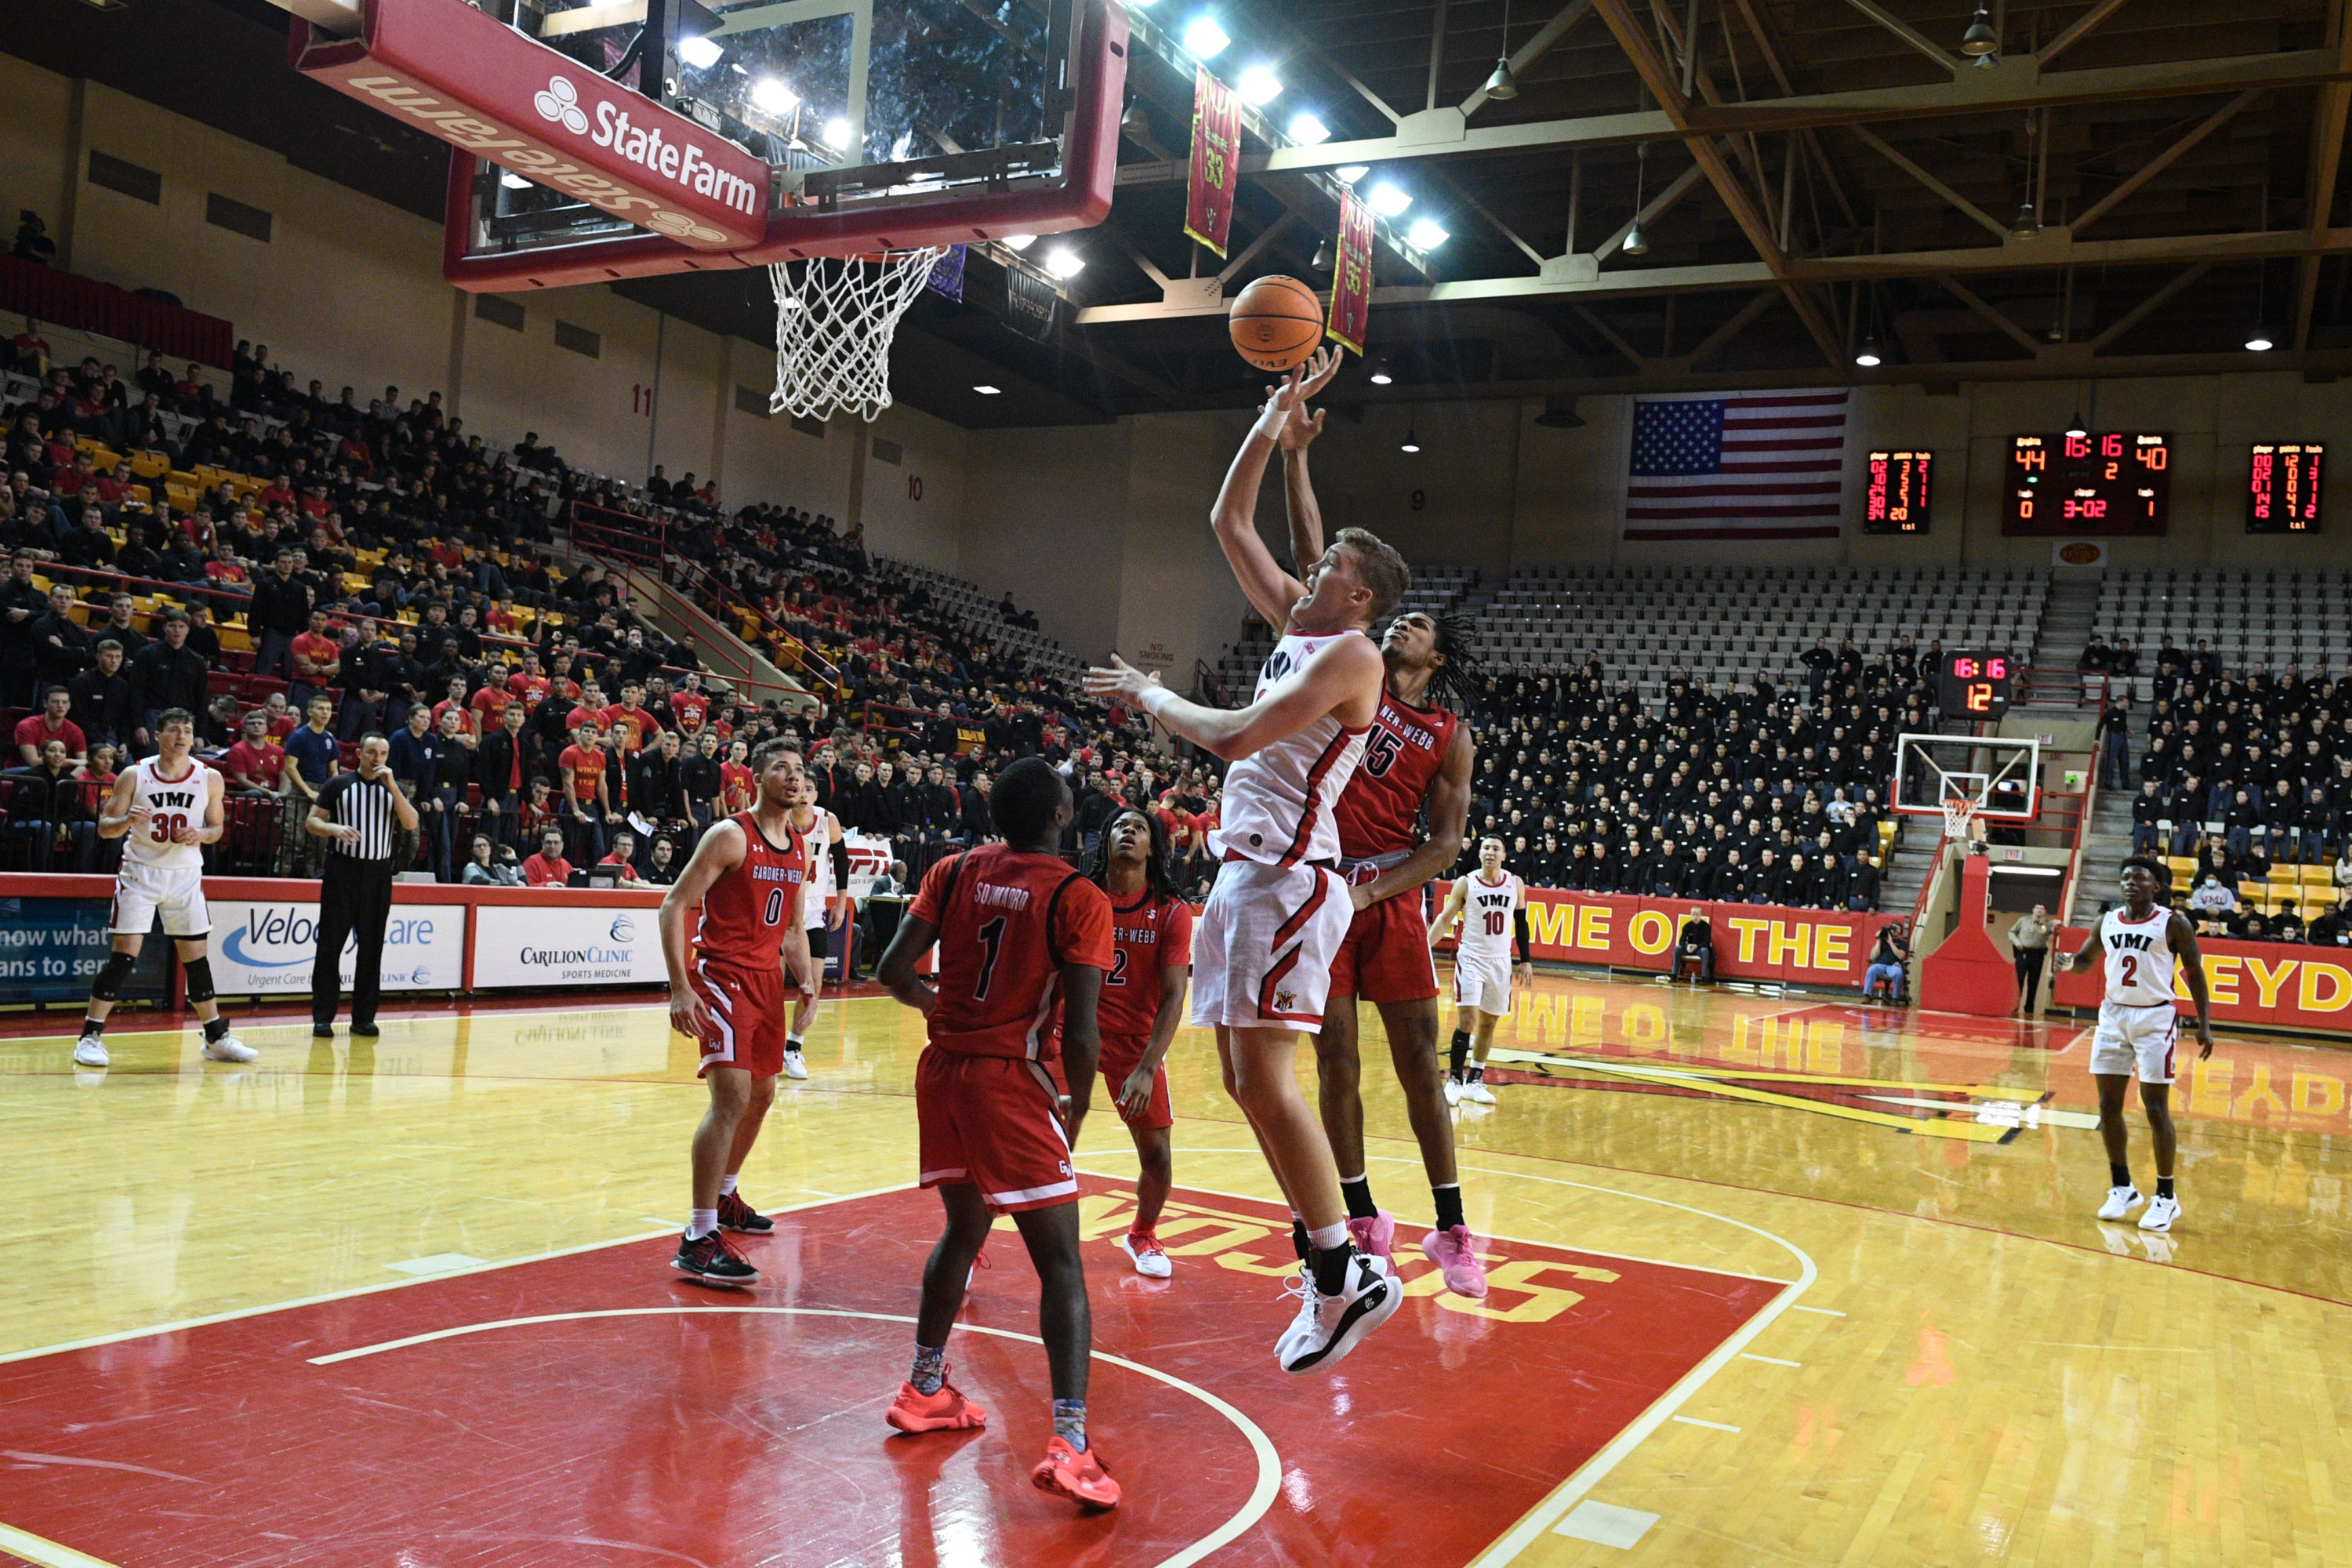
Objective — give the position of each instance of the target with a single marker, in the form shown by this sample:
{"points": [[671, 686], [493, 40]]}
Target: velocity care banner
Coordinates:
{"points": [[266, 947]]}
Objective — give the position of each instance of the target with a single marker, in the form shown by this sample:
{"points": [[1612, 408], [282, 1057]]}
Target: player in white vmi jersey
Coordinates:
{"points": [[1262, 952], [2143, 943], [165, 808], [828, 874], [1492, 904]]}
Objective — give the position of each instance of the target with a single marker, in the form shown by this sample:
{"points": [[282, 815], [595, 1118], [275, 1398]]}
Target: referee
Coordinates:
{"points": [[356, 812]]}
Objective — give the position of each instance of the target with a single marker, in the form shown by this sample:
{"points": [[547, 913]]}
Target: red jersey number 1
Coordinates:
{"points": [[992, 937]]}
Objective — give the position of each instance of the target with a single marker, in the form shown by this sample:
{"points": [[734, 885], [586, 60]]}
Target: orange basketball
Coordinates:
{"points": [[1277, 323]]}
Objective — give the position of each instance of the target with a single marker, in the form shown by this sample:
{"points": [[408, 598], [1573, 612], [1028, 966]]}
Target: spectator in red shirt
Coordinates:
{"points": [[256, 765], [591, 710], [317, 660], [116, 487], [282, 722], [688, 705], [455, 702], [548, 869], [69, 484], [624, 846], [489, 705], [587, 798], [633, 726], [51, 724]]}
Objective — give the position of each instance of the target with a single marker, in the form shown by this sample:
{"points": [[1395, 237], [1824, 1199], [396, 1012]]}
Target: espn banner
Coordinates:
{"points": [[1216, 170], [1351, 279], [444, 68]]}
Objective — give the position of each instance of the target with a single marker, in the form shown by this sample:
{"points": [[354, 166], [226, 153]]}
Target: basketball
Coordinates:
{"points": [[1277, 323]]}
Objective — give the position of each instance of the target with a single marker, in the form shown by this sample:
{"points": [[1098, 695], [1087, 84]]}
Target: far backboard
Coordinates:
{"points": [[2000, 779]]}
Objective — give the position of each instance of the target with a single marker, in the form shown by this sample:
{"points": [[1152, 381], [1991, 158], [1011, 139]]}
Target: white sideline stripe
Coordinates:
{"points": [[1773, 1360], [1269, 1463], [1710, 1425], [48, 1553], [1824, 1311], [264, 1310]]}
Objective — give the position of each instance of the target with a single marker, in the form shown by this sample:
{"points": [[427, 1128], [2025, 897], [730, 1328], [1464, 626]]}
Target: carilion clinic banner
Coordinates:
{"points": [[52, 949], [265, 947], [573, 945]]}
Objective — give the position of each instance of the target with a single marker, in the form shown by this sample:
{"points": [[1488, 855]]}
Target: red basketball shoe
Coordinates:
{"points": [[1082, 1477], [945, 1411]]}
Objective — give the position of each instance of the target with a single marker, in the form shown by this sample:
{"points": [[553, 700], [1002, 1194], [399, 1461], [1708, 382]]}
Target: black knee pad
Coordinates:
{"points": [[117, 969], [200, 978]]}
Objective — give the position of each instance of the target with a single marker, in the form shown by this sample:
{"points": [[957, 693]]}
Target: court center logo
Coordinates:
{"points": [[560, 103]]}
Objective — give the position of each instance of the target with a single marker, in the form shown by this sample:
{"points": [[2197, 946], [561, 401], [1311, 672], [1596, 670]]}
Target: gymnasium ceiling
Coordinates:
{"points": [[1837, 172]]}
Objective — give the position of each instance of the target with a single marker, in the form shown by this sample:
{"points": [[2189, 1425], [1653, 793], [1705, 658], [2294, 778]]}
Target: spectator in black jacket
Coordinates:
{"points": [[88, 545], [1696, 947], [61, 650], [101, 698], [167, 674], [279, 612], [978, 825], [2148, 808]]}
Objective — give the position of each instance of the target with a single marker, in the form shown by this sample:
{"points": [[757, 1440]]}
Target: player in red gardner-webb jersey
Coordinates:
{"points": [[1019, 933], [1417, 759], [1143, 1003], [747, 874]]}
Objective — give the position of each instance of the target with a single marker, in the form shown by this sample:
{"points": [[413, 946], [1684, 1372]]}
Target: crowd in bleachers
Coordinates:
{"points": [[2241, 776]]}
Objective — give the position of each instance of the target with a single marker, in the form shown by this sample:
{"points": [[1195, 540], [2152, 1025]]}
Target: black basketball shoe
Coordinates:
{"points": [[736, 1214], [714, 1258]]}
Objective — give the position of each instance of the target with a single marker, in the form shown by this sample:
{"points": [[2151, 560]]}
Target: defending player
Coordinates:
{"points": [[1142, 1003], [1262, 955], [1417, 760], [1019, 932], [2144, 944], [828, 874], [749, 874], [165, 808], [1492, 905]]}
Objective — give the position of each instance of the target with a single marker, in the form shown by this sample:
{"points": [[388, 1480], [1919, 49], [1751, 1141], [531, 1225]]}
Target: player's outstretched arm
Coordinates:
{"points": [[1270, 590], [721, 850], [1344, 674], [2182, 936], [897, 970], [1298, 504], [1449, 819]]}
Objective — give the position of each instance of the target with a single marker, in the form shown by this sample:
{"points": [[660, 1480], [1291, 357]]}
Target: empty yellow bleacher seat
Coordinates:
{"points": [[149, 465]]}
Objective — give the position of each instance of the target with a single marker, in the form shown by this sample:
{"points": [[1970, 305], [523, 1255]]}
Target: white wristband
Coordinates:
{"points": [[1155, 698]]}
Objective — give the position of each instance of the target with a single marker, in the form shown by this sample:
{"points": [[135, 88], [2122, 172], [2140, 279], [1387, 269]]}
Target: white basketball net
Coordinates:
{"points": [[1961, 821], [835, 319]]}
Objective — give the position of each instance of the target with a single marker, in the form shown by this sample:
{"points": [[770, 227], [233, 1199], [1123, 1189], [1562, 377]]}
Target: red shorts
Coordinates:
{"points": [[748, 1016], [996, 1123], [1121, 1055], [1386, 956]]}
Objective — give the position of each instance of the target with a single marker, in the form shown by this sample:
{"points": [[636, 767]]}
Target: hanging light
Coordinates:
{"points": [[1019, 241], [2259, 340], [1502, 85], [1204, 39], [1323, 261], [1387, 201], [1258, 86], [1349, 174], [2027, 225], [1308, 130], [1379, 374], [1980, 40], [1411, 442], [1987, 62], [1064, 264], [1426, 235], [1636, 242], [2075, 425], [1559, 413], [1868, 356], [771, 95]]}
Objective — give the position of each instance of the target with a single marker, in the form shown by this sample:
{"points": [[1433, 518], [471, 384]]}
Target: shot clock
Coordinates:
{"points": [[2283, 488], [1976, 684], [1894, 501], [2113, 482]]}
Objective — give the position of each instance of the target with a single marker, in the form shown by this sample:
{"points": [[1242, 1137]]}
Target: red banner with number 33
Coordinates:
{"points": [[1216, 161]]}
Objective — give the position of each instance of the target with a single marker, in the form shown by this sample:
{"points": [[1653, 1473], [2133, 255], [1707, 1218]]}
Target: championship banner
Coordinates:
{"points": [[1029, 305], [1216, 161], [445, 69], [1351, 277]]}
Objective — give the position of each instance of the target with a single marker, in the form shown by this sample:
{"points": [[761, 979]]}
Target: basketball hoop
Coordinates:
{"points": [[836, 316], [1960, 822]]}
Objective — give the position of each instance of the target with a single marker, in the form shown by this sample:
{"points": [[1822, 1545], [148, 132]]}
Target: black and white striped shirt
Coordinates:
{"points": [[349, 802]]}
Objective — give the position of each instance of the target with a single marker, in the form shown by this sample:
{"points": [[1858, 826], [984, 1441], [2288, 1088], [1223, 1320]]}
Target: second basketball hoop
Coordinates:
{"points": [[836, 319]]}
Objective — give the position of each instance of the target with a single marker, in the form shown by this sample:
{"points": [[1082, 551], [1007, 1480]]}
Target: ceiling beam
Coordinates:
{"points": [[1609, 335], [1952, 198], [2164, 160], [1267, 237], [2147, 307], [2325, 165], [2017, 334], [1909, 35], [2082, 27], [1659, 79], [1715, 342]]}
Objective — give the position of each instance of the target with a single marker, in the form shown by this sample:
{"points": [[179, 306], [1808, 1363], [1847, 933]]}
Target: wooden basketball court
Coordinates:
{"points": [[1774, 1280]]}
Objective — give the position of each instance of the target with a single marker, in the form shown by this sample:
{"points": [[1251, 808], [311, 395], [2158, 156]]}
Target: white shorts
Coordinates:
{"points": [[141, 892], [1483, 981], [2136, 1042], [1263, 948]]}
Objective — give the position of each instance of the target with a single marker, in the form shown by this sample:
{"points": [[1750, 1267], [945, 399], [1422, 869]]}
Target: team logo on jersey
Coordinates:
{"points": [[1286, 1001]]}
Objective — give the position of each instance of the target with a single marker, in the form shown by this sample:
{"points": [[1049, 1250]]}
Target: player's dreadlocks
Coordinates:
{"points": [[1456, 682], [1158, 874]]}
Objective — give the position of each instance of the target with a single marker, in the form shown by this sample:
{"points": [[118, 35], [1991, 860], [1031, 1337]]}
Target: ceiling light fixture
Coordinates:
{"points": [[2259, 340], [2027, 225], [1411, 442], [1064, 263], [1350, 173], [987, 391], [1258, 86], [1426, 235], [2075, 425], [1636, 242], [1322, 262], [1019, 241], [1379, 374], [513, 181], [1502, 85], [1204, 39], [837, 134], [1307, 130], [770, 95], [700, 53], [1868, 356], [1559, 413], [1981, 42], [1387, 201]]}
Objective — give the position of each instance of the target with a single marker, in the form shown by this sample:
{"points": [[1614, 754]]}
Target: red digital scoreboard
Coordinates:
{"points": [[1894, 501], [2112, 482], [2282, 487], [1976, 684]]}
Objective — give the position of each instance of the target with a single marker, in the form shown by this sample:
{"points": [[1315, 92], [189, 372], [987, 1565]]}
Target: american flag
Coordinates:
{"points": [[1751, 464]]}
